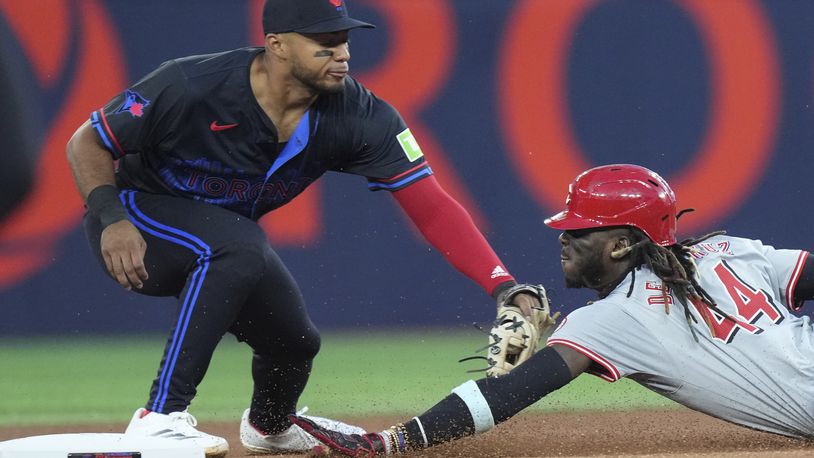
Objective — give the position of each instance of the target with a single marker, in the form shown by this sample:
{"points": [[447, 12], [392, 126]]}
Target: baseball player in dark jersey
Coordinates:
{"points": [[208, 144], [705, 322]]}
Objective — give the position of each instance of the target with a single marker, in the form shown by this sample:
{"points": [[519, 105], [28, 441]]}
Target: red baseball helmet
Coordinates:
{"points": [[620, 195]]}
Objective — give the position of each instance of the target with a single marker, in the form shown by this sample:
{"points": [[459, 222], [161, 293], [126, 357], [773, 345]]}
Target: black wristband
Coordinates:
{"points": [[103, 202], [499, 289]]}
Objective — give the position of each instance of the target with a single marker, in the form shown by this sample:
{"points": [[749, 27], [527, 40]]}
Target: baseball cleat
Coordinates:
{"points": [[366, 445], [177, 426], [293, 439]]}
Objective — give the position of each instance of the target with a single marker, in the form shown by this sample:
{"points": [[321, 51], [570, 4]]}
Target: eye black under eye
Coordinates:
{"points": [[332, 44]]}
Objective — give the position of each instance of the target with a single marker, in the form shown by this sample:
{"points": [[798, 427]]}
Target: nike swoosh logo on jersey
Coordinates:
{"points": [[215, 127]]}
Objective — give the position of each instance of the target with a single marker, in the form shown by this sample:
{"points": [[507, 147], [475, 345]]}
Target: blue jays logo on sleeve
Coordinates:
{"points": [[134, 104]]}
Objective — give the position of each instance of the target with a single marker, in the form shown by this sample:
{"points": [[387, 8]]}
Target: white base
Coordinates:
{"points": [[60, 445]]}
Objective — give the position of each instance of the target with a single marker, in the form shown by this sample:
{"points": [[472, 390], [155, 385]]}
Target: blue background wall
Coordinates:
{"points": [[641, 81]]}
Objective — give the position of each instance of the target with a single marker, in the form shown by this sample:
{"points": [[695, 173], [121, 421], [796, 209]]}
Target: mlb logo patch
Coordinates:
{"points": [[337, 4], [409, 145]]}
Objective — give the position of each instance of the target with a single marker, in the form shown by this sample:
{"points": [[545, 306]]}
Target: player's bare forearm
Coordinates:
{"points": [[122, 245], [91, 165], [526, 302]]}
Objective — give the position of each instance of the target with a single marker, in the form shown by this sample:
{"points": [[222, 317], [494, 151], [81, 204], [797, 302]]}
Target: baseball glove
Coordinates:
{"points": [[514, 336]]}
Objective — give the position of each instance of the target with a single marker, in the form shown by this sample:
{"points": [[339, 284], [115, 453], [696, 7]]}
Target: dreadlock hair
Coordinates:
{"points": [[675, 267]]}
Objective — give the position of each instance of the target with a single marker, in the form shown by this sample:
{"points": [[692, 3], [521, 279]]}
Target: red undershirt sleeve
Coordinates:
{"points": [[448, 227]]}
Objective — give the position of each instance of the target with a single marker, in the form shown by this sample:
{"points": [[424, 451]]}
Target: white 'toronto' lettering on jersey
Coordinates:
{"points": [[757, 372]]}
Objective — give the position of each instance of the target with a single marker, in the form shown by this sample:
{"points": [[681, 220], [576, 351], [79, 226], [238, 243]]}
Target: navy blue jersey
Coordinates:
{"points": [[193, 128]]}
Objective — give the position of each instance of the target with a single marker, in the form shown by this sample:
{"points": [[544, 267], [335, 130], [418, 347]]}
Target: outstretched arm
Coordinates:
{"points": [[474, 407], [450, 229]]}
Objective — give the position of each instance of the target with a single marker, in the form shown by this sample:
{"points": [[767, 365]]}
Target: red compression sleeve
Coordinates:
{"points": [[450, 229]]}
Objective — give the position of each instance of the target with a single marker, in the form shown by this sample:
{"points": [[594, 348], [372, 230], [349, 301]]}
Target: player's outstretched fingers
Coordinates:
{"points": [[526, 302], [138, 273], [133, 278], [108, 263], [117, 271], [138, 264], [125, 247]]}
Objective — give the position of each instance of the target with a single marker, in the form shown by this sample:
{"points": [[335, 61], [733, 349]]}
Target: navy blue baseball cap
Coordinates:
{"points": [[308, 16]]}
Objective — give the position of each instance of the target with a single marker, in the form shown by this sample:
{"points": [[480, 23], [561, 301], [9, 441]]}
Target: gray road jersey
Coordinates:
{"points": [[758, 372]]}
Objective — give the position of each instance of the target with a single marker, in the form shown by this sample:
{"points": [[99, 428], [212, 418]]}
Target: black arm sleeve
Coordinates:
{"points": [[507, 395], [542, 374], [805, 285]]}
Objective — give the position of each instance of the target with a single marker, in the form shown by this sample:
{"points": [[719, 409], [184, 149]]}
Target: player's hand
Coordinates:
{"points": [[526, 302], [123, 250], [523, 317]]}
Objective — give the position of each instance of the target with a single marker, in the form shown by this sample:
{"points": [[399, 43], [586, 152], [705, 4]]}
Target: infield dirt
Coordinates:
{"points": [[612, 434]]}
